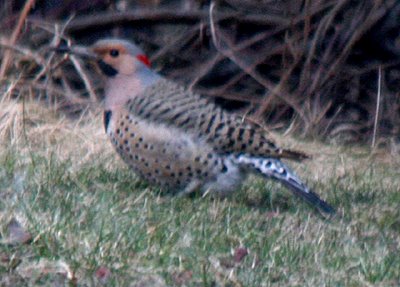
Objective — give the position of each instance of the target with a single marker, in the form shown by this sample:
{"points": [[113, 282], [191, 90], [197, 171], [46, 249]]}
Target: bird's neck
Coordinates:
{"points": [[120, 88]]}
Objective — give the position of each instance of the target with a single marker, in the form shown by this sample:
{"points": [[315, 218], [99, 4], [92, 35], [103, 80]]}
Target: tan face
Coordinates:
{"points": [[118, 57]]}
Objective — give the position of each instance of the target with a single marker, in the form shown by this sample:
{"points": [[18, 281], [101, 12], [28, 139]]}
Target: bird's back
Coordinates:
{"points": [[173, 105]]}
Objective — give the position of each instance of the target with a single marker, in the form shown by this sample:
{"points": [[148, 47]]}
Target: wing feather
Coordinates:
{"points": [[174, 105]]}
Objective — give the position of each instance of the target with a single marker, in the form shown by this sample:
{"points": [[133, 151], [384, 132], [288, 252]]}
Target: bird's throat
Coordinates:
{"points": [[120, 88]]}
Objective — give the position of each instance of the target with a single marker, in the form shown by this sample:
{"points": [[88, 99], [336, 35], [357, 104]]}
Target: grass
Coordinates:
{"points": [[94, 223]]}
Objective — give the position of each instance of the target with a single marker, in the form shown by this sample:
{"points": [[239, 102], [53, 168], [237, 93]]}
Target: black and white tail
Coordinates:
{"points": [[275, 169]]}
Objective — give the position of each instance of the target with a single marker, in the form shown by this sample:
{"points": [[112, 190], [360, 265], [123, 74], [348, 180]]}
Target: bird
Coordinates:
{"points": [[178, 139]]}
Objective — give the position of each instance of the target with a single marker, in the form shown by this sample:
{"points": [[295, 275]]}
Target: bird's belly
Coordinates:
{"points": [[167, 156]]}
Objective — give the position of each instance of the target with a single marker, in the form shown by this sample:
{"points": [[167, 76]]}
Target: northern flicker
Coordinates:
{"points": [[178, 139]]}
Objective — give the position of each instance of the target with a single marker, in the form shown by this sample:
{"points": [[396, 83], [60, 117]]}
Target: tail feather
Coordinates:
{"points": [[275, 169]]}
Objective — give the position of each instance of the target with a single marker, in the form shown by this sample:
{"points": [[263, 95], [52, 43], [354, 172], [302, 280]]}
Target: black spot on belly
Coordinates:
{"points": [[224, 169]]}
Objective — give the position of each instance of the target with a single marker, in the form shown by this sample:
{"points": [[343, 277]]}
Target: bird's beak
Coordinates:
{"points": [[80, 51]]}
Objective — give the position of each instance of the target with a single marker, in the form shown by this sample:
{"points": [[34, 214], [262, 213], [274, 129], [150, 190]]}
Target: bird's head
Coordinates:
{"points": [[113, 56], [122, 62], [119, 56]]}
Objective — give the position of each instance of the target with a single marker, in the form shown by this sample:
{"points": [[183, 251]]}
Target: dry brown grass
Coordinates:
{"points": [[31, 127]]}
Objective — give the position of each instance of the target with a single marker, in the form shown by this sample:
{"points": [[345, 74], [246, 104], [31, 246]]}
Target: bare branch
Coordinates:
{"points": [[7, 55]]}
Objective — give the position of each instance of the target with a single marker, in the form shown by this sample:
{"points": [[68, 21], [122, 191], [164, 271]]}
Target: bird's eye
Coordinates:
{"points": [[114, 53]]}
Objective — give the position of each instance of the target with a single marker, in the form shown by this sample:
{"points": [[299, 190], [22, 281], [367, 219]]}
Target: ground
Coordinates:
{"points": [[72, 213]]}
